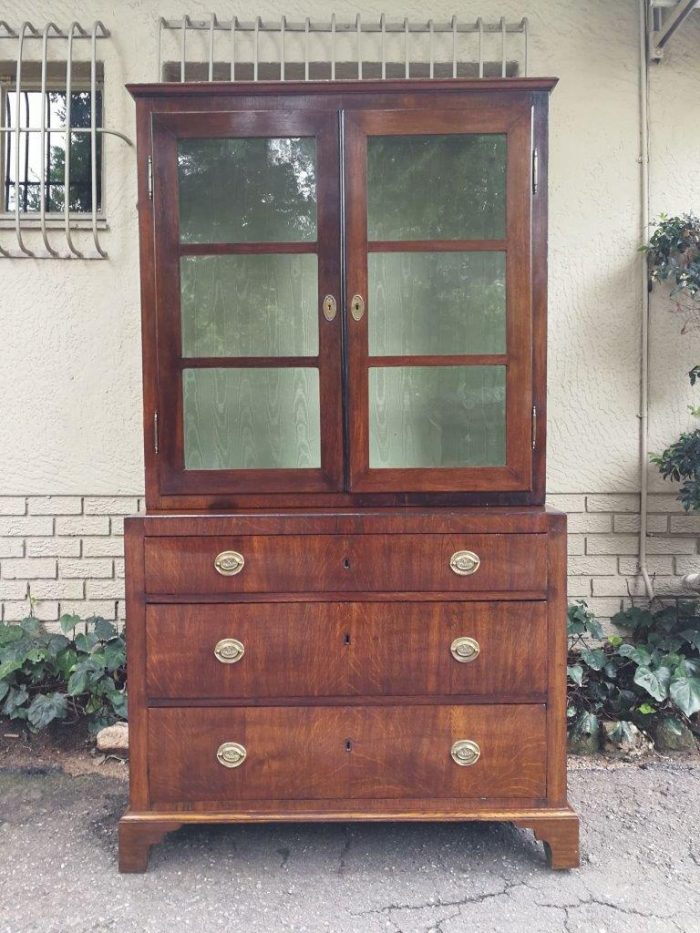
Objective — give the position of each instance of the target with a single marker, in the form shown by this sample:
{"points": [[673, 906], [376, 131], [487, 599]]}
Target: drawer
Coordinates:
{"points": [[352, 648], [283, 753], [347, 563]]}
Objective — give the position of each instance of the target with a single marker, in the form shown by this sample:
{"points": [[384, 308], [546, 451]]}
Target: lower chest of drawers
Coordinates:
{"points": [[350, 673]]}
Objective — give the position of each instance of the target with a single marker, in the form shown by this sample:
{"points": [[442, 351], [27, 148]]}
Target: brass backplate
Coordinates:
{"points": [[465, 649], [330, 308], [231, 754], [229, 563], [229, 650], [464, 563], [465, 752], [357, 307]]}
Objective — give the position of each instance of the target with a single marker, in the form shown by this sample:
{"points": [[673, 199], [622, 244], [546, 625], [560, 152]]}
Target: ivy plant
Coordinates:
{"points": [[674, 257], [651, 671], [79, 672]]}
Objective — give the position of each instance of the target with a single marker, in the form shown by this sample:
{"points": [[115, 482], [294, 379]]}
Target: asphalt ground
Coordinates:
{"points": [[640, 869]]}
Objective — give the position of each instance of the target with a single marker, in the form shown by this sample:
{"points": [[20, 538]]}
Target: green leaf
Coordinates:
{"points": [[652, 682], [118, 699], [68, 623], [77, 682], [15, 699], [622, 732], [4, 689], [56, 644], [10, 666], [66, 662], [30, 625], [646, 709], [45, 708], [639, 654], [575, 673], [615, 640], [685, 693], [86, 642], [104, 629], [114, 654], [586, 724], [10, 634], [594, 658]]}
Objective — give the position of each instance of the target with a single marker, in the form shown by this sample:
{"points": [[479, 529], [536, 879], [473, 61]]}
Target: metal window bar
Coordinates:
{"points": [[25, 32], [377, 33]]}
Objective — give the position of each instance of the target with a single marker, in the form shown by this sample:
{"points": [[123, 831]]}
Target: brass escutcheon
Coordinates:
{"points": [[231, 754], [464, 563], [229, 563], [229, 650], [465, 752], [465, 649], [357, 307], [329, 308]]}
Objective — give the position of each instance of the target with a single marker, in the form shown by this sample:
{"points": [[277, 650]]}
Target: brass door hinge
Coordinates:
{"points": [[155, 432], [149, 177], [535, 170], [534, 427]]}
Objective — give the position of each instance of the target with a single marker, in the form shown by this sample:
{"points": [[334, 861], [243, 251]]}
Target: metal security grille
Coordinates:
{"points": [[18, 125], [266, 50]]}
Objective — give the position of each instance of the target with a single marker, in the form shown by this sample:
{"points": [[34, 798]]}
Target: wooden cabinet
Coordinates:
{"points": [[346, 599]]}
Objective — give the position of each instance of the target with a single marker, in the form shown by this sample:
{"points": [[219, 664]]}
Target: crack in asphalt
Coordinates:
{"points": [[438, 902], [600, 902]]}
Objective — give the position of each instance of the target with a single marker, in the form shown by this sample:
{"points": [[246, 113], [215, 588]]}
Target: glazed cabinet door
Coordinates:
{"points": [[439, 297], [247, 251]]}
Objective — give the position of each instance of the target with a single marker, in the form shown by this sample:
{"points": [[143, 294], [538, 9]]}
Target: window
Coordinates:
{"points": [[42, 167]]}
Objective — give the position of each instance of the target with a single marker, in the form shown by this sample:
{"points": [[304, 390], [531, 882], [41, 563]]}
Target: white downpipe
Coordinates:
{"points": [[644, 284]]}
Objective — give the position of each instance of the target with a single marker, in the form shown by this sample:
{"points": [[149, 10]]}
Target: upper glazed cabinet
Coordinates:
{"points": [[344, 291]]}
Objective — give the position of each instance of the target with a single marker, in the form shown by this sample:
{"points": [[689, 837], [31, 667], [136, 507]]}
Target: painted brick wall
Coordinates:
{"points": [[604, 544], [67, 551]]}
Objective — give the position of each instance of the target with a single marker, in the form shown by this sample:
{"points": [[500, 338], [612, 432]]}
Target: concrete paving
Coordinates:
{"points": [[640, 871]]}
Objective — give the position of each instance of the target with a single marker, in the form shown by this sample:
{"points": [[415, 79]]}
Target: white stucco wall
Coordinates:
{"points": [[70, 417], [70, 384]]}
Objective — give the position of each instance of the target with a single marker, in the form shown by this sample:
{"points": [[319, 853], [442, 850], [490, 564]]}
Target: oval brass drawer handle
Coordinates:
{"points": [[229, 650], [231, 754], [465, 752], [229, 563], [465, 649], [464, 563]]}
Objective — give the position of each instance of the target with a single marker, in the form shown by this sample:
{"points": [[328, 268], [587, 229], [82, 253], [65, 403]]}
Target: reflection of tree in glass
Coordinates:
{"points": [[247, 190], [53, 171], [436, 187]]}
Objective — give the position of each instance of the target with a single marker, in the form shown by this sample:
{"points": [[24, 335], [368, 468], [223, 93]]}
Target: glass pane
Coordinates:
{"points": [[437, 416], [249, 305], [247, 190], [433, 303], [251, 419], [31, 166], [436, 187]]}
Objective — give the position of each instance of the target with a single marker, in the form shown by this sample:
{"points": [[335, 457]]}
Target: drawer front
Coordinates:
{"points": [[346, 752], [346, 563], [337, 649]]}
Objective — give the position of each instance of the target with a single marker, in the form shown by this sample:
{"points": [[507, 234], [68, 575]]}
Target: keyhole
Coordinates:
{"points": [[346, 638], [346, 563], [348, 745]]}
